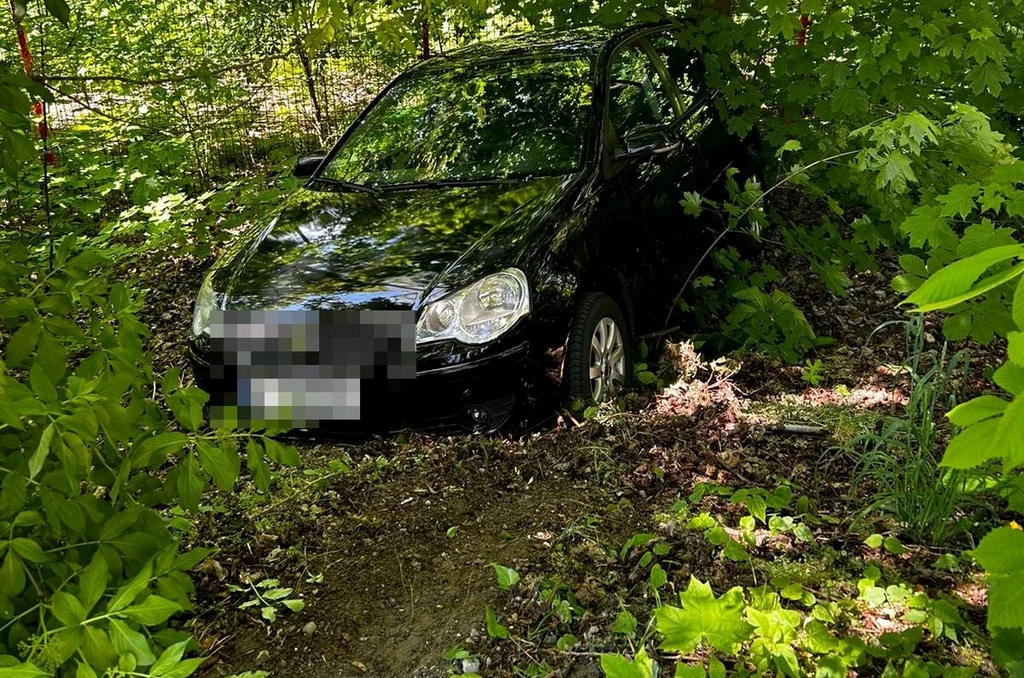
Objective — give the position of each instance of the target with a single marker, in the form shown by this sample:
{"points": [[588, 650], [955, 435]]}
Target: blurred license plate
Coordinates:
{"points": [[300, 369]]}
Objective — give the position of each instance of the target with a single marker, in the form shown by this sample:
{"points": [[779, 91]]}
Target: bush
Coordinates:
{"points": [[91, 447]]}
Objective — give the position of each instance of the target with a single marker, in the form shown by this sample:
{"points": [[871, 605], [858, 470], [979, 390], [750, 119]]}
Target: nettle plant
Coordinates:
{"points": [[92, 445]]}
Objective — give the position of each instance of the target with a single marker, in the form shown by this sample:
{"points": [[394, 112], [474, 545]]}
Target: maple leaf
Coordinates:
{"points": [[704, 617], [927, 225], [990, 75], [959, 200], [896, 172], [850, 100], [987, 49]]}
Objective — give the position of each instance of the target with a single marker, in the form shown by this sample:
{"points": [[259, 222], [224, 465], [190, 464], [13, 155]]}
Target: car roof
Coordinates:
{"points": [[549, 42]]}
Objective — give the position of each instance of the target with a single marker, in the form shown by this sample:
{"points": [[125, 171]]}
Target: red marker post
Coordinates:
{"points": [[18, 12]]}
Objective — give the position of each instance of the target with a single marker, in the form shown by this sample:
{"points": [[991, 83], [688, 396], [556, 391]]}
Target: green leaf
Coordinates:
{"points": [[131, 590], [893, 546], [625, 623], [152, 611], [1008, 441], [282, 454], [59, 9], [68, 609], [128, 641], [874, 541], [926, 225], [688, 671], [1010, 378], [494, 628], [817, 639], [23, 670], [93, 581], [895, 172], [658, 577], [22, 343], [734, 551], [294, 604], [257, 466], [972, 446], [29, 550], [704, 617], [153, 451], [40, 382], [793, 144], [35, 463], [187, 668], [222, 463], [953, 284], [566, 642], [1001, 551], [12, 575], [1018, 305], [979, 409], [988, 76], [617, 666], [168, 660], [1006, 601], [1015, 347], [96, 648], [507, 577], [959, 200], [190, 483]]}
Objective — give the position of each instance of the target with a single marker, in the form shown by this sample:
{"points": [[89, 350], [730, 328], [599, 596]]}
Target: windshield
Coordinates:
{"points": [[478, 123]]}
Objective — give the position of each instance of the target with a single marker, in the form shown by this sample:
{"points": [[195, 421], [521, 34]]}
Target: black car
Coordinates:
{"points": [[500, 219]]}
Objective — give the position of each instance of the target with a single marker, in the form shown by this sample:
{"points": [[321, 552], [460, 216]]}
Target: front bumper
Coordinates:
{"points": [[478, 393]]}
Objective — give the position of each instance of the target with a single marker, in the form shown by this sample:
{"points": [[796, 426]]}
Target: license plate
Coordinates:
{"points": [[302, 369]]}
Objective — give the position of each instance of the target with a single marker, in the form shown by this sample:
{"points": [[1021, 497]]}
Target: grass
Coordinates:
{"points": [[896, 463]]}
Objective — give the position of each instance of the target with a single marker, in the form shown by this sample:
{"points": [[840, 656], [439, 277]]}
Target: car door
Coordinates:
{"points": [[642, 209]]}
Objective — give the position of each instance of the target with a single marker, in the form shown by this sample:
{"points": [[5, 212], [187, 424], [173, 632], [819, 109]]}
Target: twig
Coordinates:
{"points": [[800, 429]]}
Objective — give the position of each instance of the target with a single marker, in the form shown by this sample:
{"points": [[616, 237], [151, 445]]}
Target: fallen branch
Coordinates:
{"points": [[798, 429]]}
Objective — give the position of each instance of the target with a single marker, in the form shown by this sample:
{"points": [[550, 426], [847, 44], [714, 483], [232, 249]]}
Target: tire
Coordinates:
{"points": [[597, 317]]}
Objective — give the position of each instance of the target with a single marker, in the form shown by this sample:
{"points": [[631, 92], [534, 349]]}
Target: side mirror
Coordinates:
{"points": [[648, 141], [305, 167]]}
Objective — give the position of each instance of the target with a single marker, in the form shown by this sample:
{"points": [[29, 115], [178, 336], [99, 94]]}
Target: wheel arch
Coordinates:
{"points": [[611, 281]]}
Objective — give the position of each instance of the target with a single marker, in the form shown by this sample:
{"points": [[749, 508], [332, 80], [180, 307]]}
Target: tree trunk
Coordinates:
{"points": [[425, 36], [307, 69]]}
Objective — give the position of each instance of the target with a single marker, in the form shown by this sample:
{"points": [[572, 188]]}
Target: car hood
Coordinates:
{"points": [[330, 250]]}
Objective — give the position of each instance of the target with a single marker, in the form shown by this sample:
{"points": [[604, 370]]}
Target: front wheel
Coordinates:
{"points": [[598, 356]]}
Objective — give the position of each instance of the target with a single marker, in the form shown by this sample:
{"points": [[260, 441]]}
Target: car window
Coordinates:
{"points": [[638, 95], [489, 121], [682, 64]]}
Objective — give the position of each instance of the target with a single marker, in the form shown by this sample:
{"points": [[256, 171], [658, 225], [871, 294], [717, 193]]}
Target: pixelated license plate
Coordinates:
{"points": [[302, 369]]}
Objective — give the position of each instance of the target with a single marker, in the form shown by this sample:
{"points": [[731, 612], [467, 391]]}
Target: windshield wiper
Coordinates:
{"points": [[348, 185]]}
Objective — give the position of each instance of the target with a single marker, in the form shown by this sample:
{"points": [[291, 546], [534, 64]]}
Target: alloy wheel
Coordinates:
{"points": [[607, 360]]}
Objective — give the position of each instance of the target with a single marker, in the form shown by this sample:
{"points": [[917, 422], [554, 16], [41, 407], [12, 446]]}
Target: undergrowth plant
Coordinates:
{"points": [[793, 621], [896, 462], [92, 445]]}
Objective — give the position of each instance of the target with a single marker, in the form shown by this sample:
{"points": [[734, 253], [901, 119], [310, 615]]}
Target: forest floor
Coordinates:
{"points": [[391, 542]]}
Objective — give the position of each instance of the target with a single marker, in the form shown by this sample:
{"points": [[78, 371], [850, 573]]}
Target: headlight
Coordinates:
{"points": [[479, 313], [203, 309]]}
